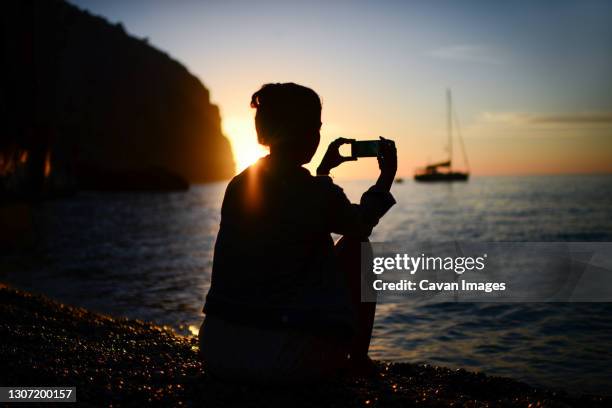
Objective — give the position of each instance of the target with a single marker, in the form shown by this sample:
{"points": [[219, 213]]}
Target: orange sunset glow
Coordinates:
{"points": [[246, 149], [528, 101]]}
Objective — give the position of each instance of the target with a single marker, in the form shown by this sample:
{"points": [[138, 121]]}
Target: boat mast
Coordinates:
{"points": [[449, 127], [458, 131]]}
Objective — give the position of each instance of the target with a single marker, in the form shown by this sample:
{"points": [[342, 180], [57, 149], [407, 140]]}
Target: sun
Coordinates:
{"points": [[242, 136], [247, 154]]}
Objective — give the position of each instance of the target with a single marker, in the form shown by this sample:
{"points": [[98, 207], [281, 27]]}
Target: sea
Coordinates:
{"points": [[149, 256]]}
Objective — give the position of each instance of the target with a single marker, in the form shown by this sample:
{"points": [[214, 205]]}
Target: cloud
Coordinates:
{"points": [[467, 53], [573, 118]]}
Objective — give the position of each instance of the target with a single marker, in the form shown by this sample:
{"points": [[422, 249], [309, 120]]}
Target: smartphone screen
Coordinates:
{"points": [[365, 148]]}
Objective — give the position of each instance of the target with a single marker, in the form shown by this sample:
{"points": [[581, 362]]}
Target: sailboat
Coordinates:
{"points": [[443, 171]]}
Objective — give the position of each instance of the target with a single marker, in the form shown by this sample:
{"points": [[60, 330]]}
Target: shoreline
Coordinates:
{"points": [[121, 361]]}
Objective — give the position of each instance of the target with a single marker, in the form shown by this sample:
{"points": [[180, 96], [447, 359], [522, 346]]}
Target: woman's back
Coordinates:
{"points": [[274, 253]]}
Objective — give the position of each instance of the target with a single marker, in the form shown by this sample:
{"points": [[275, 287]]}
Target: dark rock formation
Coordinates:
{"points": [[79, 96]]}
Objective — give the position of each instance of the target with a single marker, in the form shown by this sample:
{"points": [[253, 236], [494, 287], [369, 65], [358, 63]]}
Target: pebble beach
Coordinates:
{"points": [[121, 362]]}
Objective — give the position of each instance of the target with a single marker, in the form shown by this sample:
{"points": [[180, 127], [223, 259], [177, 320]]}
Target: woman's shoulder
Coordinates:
{"points": [[246, 175], [301, 179]]}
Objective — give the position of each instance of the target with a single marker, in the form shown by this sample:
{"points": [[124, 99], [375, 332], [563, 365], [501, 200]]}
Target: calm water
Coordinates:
{"points": [[149, 256]]}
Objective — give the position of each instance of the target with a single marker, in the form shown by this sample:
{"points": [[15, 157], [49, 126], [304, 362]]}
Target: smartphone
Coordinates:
{"points": [[365, 148]]}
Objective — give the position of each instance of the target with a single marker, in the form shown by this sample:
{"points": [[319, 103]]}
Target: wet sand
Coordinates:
{"points": [[126, 362]]}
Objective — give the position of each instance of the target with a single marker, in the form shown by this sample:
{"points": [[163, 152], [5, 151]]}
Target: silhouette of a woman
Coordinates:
{"points": [[284, 302]]}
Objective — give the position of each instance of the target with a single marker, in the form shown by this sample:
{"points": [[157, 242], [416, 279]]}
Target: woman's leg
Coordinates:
{"points": [[267, 356], [348, 253]]}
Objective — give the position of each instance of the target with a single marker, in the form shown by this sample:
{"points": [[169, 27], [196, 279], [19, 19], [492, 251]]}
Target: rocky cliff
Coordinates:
{"points": [[82, 102]]}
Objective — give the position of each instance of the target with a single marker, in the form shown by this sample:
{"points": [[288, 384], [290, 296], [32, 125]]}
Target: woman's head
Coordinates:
{"points": [[288, 120]]}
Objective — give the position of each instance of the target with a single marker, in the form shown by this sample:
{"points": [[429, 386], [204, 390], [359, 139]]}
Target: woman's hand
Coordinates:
{"points": [[387, 163], [333, 158]]}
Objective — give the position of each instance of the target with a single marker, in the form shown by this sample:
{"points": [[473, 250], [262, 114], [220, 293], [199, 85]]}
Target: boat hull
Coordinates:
{"points": [[442, 177]]}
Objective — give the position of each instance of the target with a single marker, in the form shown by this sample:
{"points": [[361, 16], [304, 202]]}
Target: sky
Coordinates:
{"points": [[531, 80]]}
